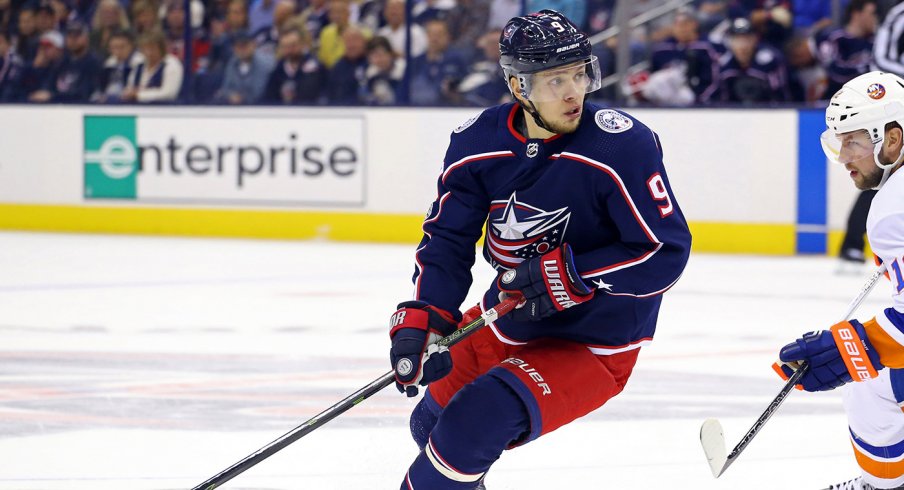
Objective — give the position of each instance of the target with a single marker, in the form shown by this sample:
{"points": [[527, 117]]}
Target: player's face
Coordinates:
{"points": [[559, 94], [855, 151]]}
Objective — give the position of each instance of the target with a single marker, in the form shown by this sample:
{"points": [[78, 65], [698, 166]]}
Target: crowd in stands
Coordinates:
{"points": [[362, 52]]}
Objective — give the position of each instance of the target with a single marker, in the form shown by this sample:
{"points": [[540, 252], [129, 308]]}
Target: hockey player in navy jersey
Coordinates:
{"points": [[580, 220]]}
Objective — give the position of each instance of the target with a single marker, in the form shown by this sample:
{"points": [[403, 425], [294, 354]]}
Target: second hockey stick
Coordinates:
{"points": [[713, 438], [350, 401]]}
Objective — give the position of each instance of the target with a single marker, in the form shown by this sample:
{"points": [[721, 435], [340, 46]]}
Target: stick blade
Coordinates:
{"points": [[713, 441]]}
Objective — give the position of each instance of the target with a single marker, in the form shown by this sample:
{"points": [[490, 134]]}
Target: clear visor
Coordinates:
{"points": [[562, 82], [849, 147]]}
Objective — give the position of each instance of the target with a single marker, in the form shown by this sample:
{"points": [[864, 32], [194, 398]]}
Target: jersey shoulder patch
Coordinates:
{"points": [[467, 124], [612, 121]]}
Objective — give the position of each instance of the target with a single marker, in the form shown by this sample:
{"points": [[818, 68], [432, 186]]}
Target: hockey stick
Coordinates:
{"points": [[348, 402], [713, 439]]}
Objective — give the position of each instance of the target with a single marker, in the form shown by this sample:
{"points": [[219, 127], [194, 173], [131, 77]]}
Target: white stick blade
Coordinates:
{"points": [[713, 441]]}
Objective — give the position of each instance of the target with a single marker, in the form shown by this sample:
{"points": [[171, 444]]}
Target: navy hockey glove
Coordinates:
{"points": [[549, 283], [837, 356], [415, 357]]}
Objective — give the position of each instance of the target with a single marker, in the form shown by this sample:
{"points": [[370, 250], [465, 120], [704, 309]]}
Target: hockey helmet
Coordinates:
{"points": [[856, 119], [541, 41]]}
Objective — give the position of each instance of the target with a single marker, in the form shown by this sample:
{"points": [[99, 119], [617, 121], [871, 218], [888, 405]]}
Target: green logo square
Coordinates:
{"points": [[111, 157]]}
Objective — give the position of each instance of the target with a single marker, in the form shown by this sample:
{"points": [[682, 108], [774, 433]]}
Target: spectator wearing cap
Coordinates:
{"points": [[348, 74], [10, 67], [236, 24], [847, 51], [436, 73], [751, 72], [684, 69], [27, 37], [246, 73], [78, 76], [395, 30], [772, 19], [384, 74], [159, 77], [428, 10], [117, 68], [109, 17], [298, 78], [35, 84]]}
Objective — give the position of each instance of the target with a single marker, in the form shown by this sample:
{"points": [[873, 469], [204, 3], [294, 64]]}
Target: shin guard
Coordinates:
{"points": [[480, 422]]}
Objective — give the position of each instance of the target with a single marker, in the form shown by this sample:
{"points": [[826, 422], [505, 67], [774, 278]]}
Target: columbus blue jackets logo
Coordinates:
{"points": [[518, 231], [613, 121]]}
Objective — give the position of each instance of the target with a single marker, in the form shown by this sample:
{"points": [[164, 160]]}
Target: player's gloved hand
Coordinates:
{"points": [[836, 356], [549, 283], [415, 357]]}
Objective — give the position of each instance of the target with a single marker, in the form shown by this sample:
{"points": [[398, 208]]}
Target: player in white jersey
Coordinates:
{"points": [[865, 119]]}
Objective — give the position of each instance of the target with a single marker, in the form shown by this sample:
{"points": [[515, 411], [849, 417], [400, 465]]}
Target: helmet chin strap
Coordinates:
{"points": [[887, 168], [531, 109]]}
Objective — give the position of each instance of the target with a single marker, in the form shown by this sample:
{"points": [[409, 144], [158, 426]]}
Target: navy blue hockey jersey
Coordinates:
{"points": [[602, 189]]}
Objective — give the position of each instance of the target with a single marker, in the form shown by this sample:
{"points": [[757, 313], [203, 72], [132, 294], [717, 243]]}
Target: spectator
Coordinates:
{"points": [[27, 36], [109, 17], [847, 52], [236, 24], [806, 77], [348, 74], [395, 30], [484, 85], [38, 78], [771, 19], [144, 17], [267, 40], [370, 14], [10, 66], [331, 46], [684, 69], [384, 73], [466, 24], [159, 77], [45, 17], [76, 80], [436, 73], [298, 77], [246, 73], [117, 67], [174, 27], [316, 16], [6, 17], [260, 15], [751, 72]]}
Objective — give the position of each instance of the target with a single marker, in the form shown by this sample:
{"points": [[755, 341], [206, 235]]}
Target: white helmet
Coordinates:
{"points": [[866, 103]]}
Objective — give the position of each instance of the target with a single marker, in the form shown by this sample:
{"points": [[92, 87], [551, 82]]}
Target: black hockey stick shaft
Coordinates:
{"points": [[348, 402], [799, 373]]}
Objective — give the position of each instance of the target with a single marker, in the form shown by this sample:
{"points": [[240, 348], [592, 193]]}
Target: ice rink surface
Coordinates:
{"points": [[153, 363]]}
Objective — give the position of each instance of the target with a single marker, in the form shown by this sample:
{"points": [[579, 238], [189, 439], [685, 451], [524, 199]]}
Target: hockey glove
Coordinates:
{"points": [[415, 357], [837, 356], [549, 283]]}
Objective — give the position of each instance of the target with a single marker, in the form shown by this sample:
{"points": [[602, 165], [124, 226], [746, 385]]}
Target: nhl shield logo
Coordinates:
{"points": [[532, 149]]}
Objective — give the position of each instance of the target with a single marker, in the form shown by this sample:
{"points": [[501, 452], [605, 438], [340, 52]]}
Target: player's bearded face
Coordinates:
{"points": [[856, 152], [558, 95]]}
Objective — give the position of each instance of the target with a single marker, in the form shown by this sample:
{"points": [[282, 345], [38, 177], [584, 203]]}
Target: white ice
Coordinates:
{"points": [[143, 363]]}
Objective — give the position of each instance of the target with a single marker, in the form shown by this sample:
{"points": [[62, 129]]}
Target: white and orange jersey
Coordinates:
{"points": [[885, 230]]}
